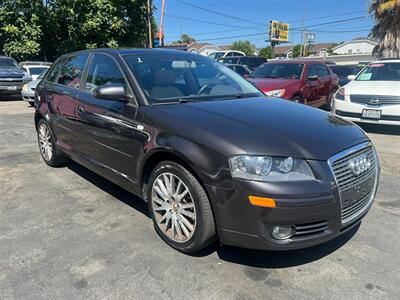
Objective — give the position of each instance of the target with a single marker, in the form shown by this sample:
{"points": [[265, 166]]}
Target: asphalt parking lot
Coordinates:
{"points": [[66, 233]]}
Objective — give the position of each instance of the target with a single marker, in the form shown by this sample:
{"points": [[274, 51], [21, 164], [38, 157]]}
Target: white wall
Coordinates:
{"points": [[355, 47]]}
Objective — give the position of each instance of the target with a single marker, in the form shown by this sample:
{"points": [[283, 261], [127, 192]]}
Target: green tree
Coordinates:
{"points": [[331, 46], [386, 29], [185, 39], [244, 46], [20, 28], [266, 52], [48, 28], [296, 51]]}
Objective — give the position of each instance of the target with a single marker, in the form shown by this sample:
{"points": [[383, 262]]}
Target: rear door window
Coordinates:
{"points": [[72, 70]]}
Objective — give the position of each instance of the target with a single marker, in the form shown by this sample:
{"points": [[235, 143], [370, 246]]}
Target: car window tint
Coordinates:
{"points": [[241, 70], [311, 71], [55, 70], [252, 62], [103, 70], [322, 70], [72, 70]]}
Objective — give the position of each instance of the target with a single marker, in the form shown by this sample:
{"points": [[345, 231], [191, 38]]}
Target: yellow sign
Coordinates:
{"points": [[278, 31]]}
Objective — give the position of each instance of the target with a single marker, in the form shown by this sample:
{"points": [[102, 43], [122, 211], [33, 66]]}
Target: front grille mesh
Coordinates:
{"points": [[383, 99], [346, 180]]}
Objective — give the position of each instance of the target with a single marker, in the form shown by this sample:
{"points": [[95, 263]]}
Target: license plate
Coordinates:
{"points": [[357, 193], [12, 88], [371, 113]]}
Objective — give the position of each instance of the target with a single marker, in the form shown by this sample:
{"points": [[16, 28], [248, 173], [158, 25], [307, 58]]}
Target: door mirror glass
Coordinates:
{"points": [[312, 77], [351, 77], [113, 91]]}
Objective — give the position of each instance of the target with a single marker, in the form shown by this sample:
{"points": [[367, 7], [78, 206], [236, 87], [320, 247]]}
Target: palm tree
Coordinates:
{"points": [[387, 28]]}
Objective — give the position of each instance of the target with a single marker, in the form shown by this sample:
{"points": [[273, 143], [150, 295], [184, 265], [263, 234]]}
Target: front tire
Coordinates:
{"points": [[47, 146], [180, 208]]}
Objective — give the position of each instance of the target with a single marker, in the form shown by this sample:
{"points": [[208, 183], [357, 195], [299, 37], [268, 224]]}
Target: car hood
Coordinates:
{"points": [[263, 126], [390, 88], [10, 73], [269, 84]]}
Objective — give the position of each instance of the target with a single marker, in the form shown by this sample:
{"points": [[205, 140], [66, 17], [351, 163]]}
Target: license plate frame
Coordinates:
{"points": [[375, 114]]}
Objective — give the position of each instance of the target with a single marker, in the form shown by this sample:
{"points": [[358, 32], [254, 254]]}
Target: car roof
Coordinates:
{"points": [[130, 51], [242, 56], [294, 61]]}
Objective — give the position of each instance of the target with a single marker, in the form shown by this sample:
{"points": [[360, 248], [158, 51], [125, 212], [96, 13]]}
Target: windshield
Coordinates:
{"points": [[380, 72], [274, 70], [8, 63], [37, 70], [42, 74], [171, 77]]}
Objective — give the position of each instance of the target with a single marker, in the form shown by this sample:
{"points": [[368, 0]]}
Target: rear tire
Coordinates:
{"points": [[47, 146], [186, 224], [329, 101]]}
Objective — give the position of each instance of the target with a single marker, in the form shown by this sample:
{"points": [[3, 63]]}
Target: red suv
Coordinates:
{"points": [[308, 82]]}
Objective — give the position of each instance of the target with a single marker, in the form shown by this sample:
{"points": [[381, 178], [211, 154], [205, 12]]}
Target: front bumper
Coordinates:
{"points": [[28, 96], [353, 112], [312, 207]]}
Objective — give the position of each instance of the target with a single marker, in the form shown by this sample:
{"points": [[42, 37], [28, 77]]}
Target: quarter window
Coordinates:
{"points": [[55, 70], [72, 70], [103, 70]]}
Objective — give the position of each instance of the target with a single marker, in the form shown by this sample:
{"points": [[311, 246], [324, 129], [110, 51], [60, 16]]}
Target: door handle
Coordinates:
{"points": [[81, 110]]}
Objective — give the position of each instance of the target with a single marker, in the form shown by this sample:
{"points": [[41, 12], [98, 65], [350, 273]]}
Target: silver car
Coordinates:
{"points": [[28, 90]]}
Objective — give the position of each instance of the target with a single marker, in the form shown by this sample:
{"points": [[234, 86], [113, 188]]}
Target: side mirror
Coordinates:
{"points": [[312, 77], [246, 75], [351, 77], [113, 91]]}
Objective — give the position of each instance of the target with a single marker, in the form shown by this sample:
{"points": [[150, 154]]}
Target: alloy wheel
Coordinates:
{"points": [[173, 207], [46, 146]]}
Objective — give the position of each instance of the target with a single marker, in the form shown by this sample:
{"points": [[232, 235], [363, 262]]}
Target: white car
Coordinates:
{"points": [[373, 96], [35, 68], [227, 53]]}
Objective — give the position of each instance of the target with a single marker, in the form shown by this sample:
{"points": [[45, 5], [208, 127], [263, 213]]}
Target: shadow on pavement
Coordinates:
{"points": [[110, 188], [247, 257], [16, 97], [380, 129]]}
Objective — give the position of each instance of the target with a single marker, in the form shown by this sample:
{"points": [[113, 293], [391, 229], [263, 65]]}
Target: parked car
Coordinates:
{"points": [[308, 82], [373, 96], [12, 76], [28, 89], [250, 62], [210, 154], [343, 71], [227, 53], [35, 68], [240, 69]]}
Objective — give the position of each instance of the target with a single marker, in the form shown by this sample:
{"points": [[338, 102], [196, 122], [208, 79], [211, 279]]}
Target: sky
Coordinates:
{"points": [[248, 19]]}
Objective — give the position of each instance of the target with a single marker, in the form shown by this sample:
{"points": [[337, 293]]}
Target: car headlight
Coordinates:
{"points": [[27, 78], [25, 87], [275, 93], [270, 168], [340, 94]]}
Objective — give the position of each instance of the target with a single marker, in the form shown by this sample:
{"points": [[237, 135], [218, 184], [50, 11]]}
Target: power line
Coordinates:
{"points": [[201, 21], [218, 13], [292, 29]]}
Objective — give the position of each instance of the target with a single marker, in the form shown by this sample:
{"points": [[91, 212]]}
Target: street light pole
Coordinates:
{"points": [[302, 30]]}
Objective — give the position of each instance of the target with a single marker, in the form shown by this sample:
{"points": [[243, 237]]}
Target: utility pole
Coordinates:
{"points": [[302, 30], [161, 33], [149, 23]]}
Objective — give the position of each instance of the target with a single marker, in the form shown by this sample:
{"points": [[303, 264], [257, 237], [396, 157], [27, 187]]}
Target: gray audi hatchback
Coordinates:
{"points": [[214, 158]]}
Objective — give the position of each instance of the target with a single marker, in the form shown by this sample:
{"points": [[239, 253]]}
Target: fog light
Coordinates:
{"points": [[282, 232]]}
